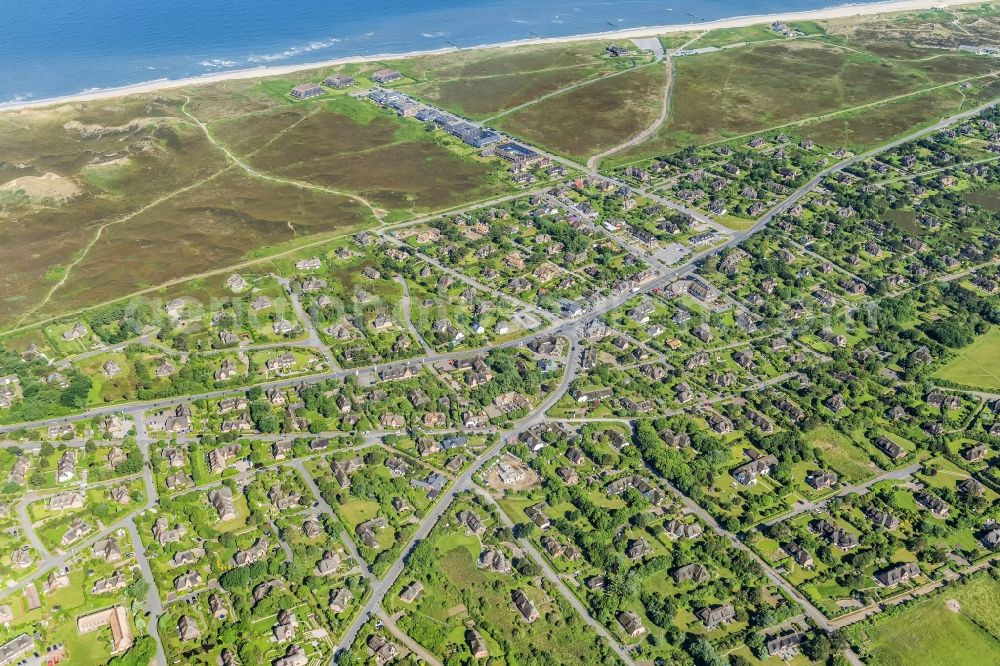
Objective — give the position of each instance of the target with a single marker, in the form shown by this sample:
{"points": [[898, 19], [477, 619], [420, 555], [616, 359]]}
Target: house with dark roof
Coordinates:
{"points": [[938, 507], [383, 76], [991, 538], [837, 536], [631, 624], [691, 572], [882, 519], [898, 574], [747, 473], [338, 81], [524, 606], [975, 454], [799, 554], [714, 616], [890, 448], [786, 646], [821, 479], [638, 549], [306, 91]]}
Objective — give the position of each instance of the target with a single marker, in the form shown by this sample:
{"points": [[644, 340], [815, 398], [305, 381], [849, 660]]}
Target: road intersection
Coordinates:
{"points": [[568, 329]]}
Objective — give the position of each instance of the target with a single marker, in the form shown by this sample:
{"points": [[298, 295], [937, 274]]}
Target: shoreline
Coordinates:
{"points": [[264, 71]]}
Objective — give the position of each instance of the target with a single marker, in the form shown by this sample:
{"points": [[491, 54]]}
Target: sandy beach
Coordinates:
{"points": [[845, 11]]}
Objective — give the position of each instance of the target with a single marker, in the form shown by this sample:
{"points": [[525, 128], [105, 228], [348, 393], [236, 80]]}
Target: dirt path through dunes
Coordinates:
{"points": [[378, 213], [560, 91], [594, 162]]}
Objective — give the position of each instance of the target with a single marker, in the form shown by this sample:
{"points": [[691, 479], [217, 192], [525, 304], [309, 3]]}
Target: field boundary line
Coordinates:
{"points": [[832, 114], [379, 213], [554, 93], [595, 161], [82, 253]]}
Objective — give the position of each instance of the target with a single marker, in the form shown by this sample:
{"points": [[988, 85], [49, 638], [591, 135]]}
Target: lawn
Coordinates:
{"points": [[725, 36], [486, 597], [977, 365], [356, 511], [120, 386], [840, 453], [930, 634]]}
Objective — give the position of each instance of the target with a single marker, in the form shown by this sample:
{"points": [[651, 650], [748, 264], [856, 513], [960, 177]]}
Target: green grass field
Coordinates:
{"points": [[840, 453], [931, 634], [437, 620], [724, 36], [977, 365]]}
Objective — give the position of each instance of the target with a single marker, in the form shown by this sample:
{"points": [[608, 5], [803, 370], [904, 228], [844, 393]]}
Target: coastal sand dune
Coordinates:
{"points": [[260, 72], [47, 186]]}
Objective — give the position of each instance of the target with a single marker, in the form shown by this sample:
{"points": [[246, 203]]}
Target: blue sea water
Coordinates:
{"points": [[50, 48]]}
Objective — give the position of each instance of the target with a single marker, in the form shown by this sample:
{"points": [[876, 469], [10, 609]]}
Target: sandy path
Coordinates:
{"points": [[594, 162], [378, 213]]}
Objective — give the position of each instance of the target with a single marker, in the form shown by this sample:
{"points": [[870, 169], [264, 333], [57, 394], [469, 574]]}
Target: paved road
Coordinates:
{"points": [[28, 528], [314, 340], [38, 495], [554, 578], [564, 327], [390, 624], [381, 587], [814, 613], [153, 601], [325, 507], [152, 499], [857, 488], [407, 307]]}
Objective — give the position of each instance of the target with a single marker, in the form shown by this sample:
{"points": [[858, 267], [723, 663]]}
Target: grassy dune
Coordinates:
{"points": [[591, 118]]}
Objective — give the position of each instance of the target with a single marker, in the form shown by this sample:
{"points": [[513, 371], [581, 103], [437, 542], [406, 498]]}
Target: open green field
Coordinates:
{"points": [[977, 365], [725, 36], [460, 592], [591, 118], [931, 634], [841, 454], [217, 223]]}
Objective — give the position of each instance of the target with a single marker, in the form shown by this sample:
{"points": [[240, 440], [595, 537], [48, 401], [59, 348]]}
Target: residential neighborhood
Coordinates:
{"points": [[735, 404]]}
